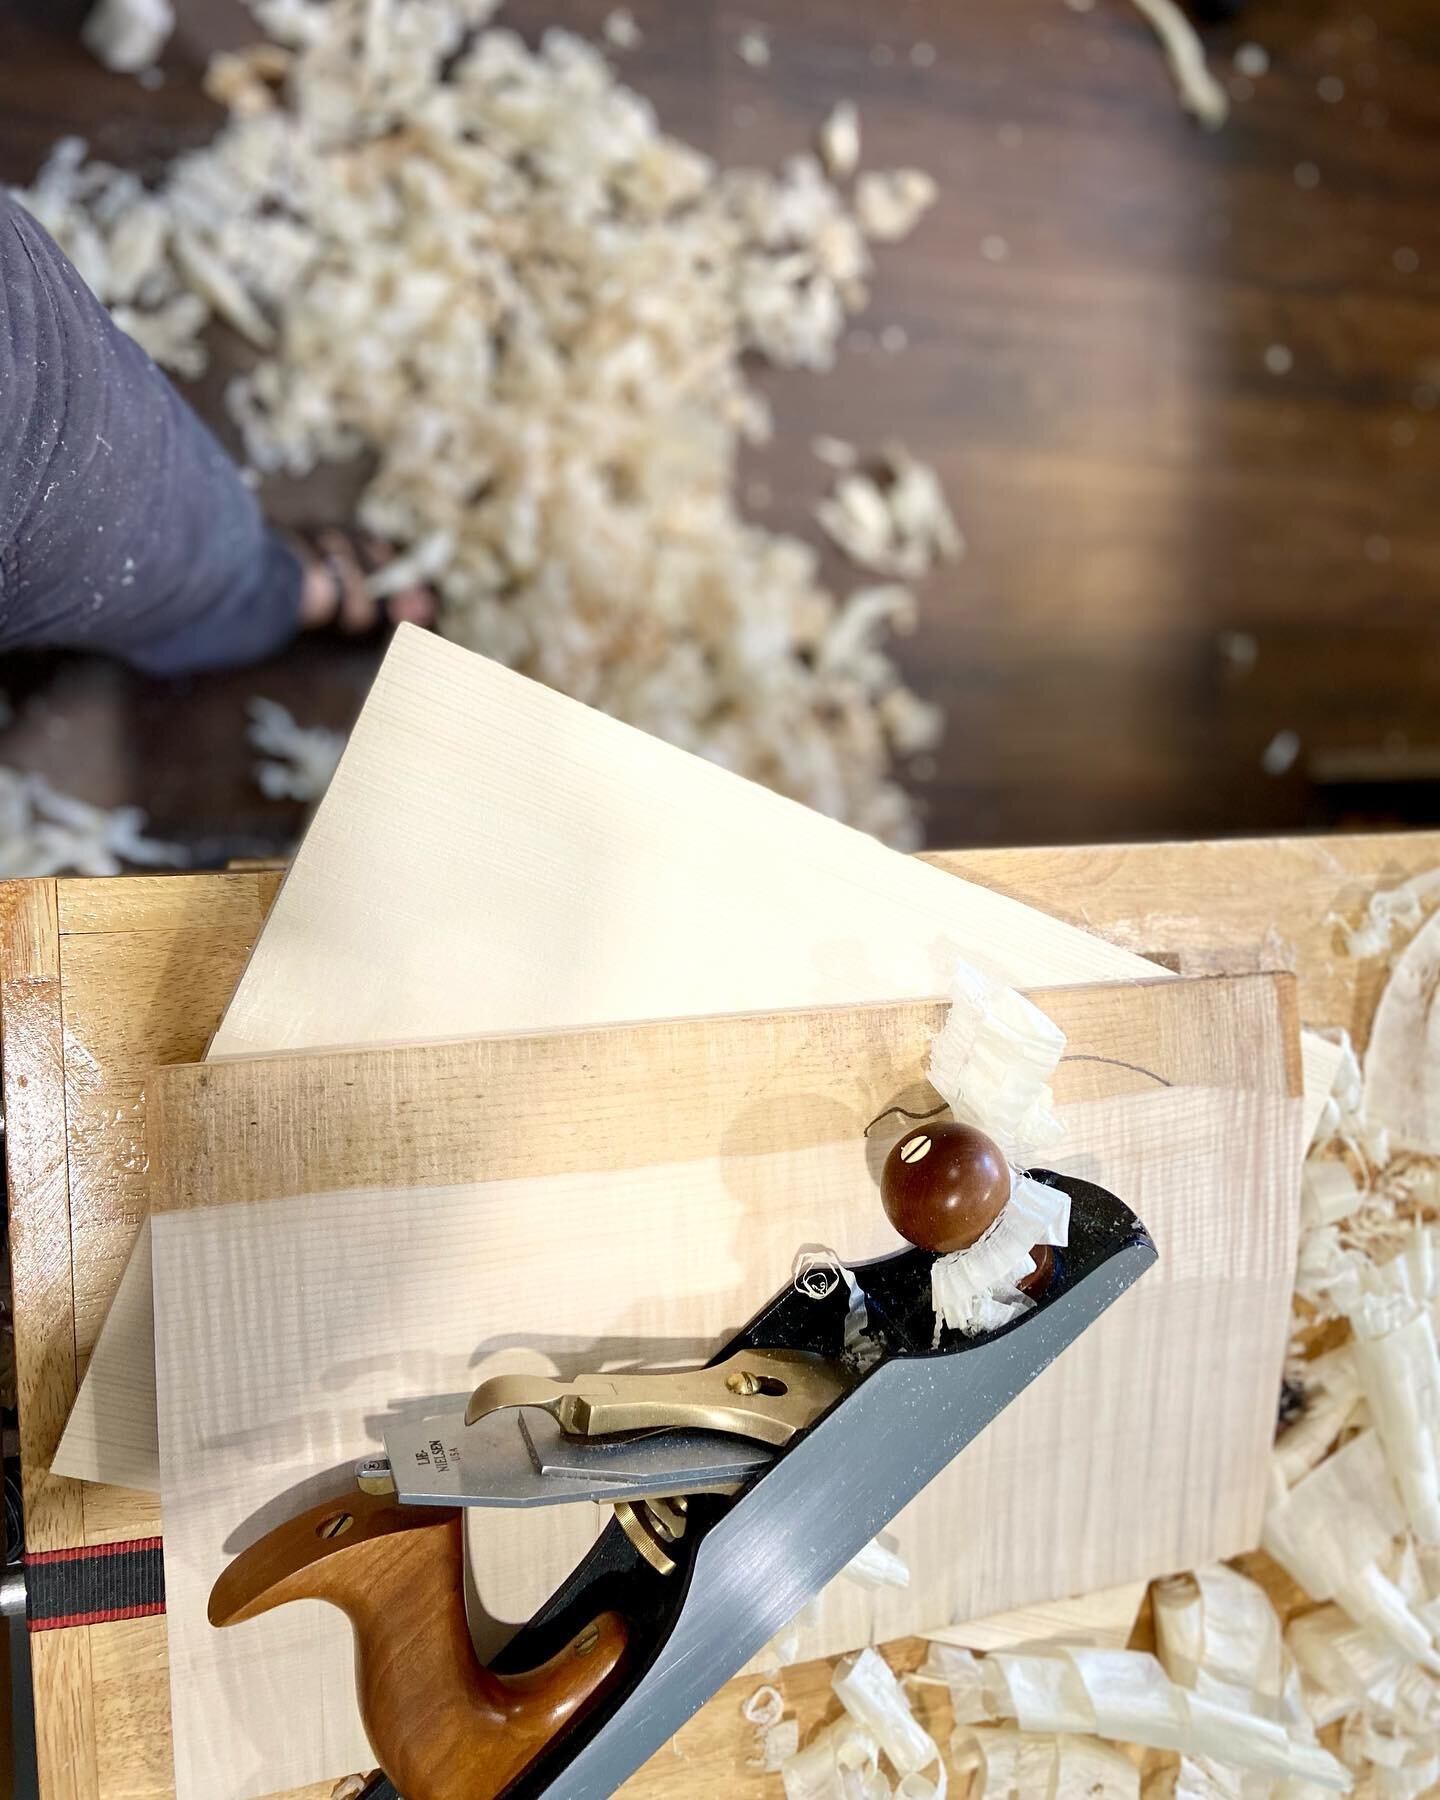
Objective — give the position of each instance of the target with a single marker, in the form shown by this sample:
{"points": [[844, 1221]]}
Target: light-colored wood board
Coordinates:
{"points": [[175, 979], [1105, 1619], [493, 856], [1215, 902], [301, 1294]]}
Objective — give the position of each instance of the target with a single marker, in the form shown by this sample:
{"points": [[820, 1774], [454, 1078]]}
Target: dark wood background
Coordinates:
{"points": [[1133, 482]]}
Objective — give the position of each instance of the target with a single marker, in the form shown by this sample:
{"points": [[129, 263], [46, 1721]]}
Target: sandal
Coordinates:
{"points": [[335, 564]]}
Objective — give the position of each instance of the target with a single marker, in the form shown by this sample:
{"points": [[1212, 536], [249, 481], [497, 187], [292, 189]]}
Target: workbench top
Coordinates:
{"points": [[101, 981]]}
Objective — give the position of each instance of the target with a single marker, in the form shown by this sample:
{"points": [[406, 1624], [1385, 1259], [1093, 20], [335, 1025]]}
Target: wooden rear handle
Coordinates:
{"points": [[441, 1725]]}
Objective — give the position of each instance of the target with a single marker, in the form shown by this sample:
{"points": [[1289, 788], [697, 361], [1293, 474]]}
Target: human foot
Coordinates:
{"points": [[334, 593]]}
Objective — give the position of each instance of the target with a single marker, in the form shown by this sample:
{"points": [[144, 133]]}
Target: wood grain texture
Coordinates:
{"points": [[1262, 903], [1209, 903], [35, 1149], [684, 891], [146, 972], [1105, 1619], [343, 1237], [545, 866]]}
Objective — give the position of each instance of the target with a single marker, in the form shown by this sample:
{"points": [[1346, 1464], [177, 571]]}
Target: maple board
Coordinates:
{"points": [[493, 856], [340, 1236]]}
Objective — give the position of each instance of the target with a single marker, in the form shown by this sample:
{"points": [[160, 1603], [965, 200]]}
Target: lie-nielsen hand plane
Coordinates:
{"points": [[739, 1490]]}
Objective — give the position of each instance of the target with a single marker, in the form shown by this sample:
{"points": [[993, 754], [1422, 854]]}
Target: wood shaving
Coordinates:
{"points": [[841, 1762], [43, 832], [621, 31], [302, 757], [835, 452], [1019, 1765], [840, 141], [1355, 1517], [896, 520], [992, 1062], [776, 1738], [766, 1706], [1126, 1696], [774, 1747], [1388, 913], [484, 266], [866, 1687], [1402, 1064], [962, 1674], [129, 34], [890, 204], [978, 1289], [878, 1565], [1200, 93]]}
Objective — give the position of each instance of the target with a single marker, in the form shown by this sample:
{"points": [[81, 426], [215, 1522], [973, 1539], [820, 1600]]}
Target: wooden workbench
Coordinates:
{"points": [[100, 981]]}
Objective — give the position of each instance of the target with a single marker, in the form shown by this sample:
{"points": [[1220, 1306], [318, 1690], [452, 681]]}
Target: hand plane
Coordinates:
{"points": [[738, 1490]]}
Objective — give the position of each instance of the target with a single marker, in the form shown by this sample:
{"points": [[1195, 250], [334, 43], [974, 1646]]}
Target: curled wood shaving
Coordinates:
{"points": [[766, 1706], [866, 1687], [1402, 1064], [1200, 93], [978, 1289], [992, 1063], [962, 1674], [1125, 1695], [1018, 1765], [840, 1761]]}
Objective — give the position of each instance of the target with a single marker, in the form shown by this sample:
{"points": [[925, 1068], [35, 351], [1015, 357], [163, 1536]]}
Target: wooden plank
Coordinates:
{"points": [[514, 861], [34, 1090], [336, 1234], [1104, 1619], [233, 902], [144, 993], [1266, 903]]}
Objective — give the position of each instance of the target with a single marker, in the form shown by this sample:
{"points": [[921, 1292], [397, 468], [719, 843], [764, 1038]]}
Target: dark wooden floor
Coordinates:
{"points": [[1135, 484]]}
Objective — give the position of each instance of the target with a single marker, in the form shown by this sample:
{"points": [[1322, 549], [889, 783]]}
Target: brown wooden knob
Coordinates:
{"points": [[1036, 1282], [943, 1185], [442, 1726]]}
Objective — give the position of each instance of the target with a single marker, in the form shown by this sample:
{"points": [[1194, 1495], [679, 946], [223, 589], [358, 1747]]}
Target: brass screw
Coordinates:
{"points": [[743, 1382], [587, 1640], [335, 1526], [918, 1148]]}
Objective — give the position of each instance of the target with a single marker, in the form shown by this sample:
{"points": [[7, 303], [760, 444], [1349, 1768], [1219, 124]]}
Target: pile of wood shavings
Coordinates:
{"points": [[486, 266]]}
